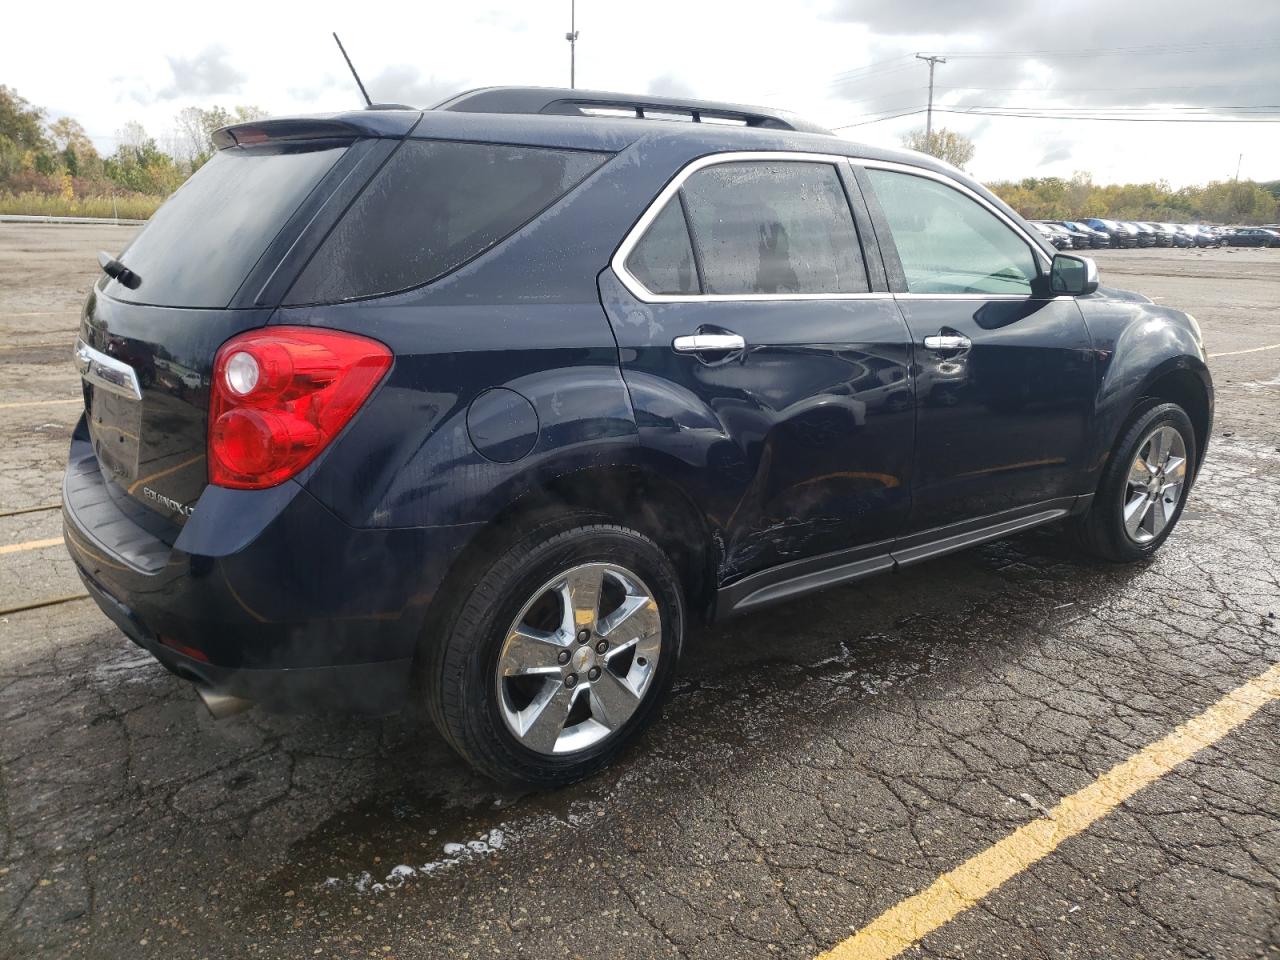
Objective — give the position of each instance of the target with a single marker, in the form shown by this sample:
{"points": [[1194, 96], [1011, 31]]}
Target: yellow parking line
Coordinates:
{"points": [[1233, 353], [37, 604], [29, 545], [23, 346], [37, 403], [951, 894]]}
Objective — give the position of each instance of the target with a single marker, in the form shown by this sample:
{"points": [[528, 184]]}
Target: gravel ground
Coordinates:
{"points": [[817, 763]]}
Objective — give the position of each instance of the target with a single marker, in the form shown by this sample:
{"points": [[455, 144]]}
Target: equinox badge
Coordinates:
{"points": [[168, 502]]}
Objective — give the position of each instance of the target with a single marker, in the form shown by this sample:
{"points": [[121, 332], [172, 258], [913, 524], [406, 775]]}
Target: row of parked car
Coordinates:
{"points": [[1096, 233]]}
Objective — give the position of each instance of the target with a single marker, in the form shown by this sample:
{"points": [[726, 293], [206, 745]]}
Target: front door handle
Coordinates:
{"points": [[949, 342], [708, 342]]}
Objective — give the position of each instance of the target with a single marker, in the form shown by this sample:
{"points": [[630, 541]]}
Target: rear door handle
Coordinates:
{"points": [[709, 342], [947, 341]]}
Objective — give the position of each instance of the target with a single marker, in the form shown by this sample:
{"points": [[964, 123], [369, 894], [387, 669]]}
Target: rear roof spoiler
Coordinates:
{"points": [[564, 101], [387, 121]]}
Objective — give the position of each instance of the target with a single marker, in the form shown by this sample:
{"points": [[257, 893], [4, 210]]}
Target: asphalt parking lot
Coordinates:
{"points": [[818, 764]]}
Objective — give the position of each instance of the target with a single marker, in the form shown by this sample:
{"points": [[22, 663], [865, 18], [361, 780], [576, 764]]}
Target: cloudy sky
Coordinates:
{"points": [[840, 62]]}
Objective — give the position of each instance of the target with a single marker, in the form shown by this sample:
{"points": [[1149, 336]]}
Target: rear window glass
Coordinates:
{"points": [[199, 246], [663, 259], [434, 206]]}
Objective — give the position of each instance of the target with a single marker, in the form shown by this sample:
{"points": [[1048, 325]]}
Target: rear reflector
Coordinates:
{"points": [[280, 395], [184, 649]]}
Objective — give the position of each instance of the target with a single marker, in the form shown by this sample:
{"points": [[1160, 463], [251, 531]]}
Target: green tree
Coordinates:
{"points": [[955, 148], [23, 144], [77, 153], [20, 122], [140, 165], [1051, 198], [196, 128], [1238, 201]]}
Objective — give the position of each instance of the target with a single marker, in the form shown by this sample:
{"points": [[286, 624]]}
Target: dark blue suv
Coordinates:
{"points": [[486, 405]]}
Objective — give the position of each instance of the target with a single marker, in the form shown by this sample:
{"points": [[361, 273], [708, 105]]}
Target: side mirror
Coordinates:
{"points": [[1073, 276]]}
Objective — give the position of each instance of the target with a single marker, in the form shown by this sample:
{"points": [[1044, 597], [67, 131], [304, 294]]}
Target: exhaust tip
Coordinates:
{"points": [[222, 705]]}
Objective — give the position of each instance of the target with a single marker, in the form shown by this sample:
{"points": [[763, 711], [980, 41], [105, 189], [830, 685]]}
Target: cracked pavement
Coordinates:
{"points": [[817, 762]]}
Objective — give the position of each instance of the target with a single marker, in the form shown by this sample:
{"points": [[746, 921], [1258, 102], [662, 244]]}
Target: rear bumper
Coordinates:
{"points": [[264, 594], [368, 688]]}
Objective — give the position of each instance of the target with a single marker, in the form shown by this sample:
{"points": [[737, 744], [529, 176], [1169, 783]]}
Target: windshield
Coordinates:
{"points": [[199, 247]]}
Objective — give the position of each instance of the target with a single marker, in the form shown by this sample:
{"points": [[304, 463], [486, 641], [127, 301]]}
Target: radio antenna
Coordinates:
{"points": [[363, 92]]}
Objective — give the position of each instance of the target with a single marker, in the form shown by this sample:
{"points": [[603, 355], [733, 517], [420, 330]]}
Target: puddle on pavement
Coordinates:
{"points": [[389, 842]]}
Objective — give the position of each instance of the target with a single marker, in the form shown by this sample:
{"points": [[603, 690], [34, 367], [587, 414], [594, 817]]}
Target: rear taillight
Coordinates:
{"points": [[280, 395]]}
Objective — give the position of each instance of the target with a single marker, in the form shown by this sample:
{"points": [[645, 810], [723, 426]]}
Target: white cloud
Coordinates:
{"points": [[813, 57]]}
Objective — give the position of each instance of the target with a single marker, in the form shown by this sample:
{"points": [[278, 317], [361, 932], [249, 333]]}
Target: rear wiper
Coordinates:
{"points": [[117, 271]]}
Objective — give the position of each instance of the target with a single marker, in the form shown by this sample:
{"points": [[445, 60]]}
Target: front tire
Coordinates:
{"points": [[560, 656], [1143, 488]]}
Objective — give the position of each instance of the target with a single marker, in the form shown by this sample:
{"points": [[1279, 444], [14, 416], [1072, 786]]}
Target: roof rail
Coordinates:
{"points": [[564, 101]]}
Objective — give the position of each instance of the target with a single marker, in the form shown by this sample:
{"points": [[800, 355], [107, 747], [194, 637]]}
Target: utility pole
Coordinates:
{"points": [[928, 123], [572, 37], [1239, 160]]}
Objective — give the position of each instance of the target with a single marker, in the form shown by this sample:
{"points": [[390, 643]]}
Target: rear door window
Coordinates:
{"points": [[435, 205], [199, 246], [766, 227], [663, 259]]}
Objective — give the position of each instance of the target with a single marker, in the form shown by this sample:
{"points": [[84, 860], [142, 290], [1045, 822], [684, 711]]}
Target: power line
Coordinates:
{"points": [[872, 66], [895, 116], [1142, 50], [1029, 115], [1050, 116], [855, 75], [1112, 89], [1150, 108], [906, 93]]}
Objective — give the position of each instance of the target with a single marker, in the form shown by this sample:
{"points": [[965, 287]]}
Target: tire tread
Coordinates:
{"points": [[453, 705]]}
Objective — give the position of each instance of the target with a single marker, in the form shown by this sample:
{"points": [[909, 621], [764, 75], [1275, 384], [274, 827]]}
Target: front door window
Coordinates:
{"points": [[948, 243]]}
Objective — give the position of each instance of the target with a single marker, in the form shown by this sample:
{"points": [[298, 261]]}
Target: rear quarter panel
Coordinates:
{"points": [[525, 316]]}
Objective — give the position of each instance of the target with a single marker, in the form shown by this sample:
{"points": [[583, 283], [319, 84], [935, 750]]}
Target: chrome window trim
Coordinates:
{"points": [[114, 376], [987, 297], [634, 235], [962, 296]]}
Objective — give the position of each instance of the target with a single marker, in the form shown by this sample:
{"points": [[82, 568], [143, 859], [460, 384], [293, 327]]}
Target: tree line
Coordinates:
{"points": [[1054, 198], [1221, 202], [52, 166]]}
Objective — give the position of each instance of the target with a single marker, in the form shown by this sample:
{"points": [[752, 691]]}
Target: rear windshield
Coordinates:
{"points": [[199, 247], [434, 206]]}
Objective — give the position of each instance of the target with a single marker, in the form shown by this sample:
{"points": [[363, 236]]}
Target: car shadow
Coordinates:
{"points": [[424, 813]]}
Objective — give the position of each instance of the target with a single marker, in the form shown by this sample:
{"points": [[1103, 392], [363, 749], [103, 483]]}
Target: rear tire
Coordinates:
{"points": [[560, 655], [1144, 487]]}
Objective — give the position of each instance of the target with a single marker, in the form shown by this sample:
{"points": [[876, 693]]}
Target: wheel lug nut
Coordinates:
{"points": [[571, 680], [602, 646], [563, 656], [584, 636], [593, 673]]}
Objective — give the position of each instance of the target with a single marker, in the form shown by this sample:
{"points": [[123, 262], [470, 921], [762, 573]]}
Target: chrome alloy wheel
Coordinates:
{"points": [[1155, 484], [579, 658]]}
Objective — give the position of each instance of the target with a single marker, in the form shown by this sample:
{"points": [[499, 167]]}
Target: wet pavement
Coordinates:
{"points": [[817, 763]]}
